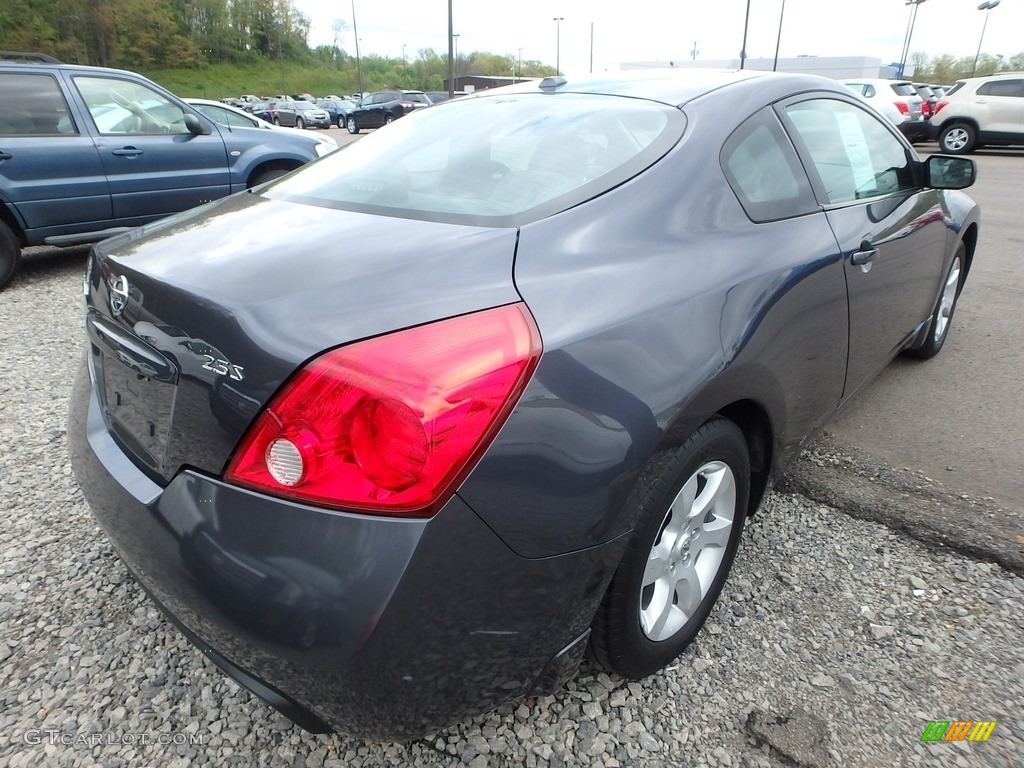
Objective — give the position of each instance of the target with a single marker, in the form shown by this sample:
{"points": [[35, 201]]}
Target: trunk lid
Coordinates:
{"points": [[195, 321]]}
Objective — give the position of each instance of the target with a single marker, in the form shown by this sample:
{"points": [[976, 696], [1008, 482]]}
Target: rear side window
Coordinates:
{"points": [[955, 88], [492, 161], [1002, 88], [904, 89], [33, 105], [764, 171]]}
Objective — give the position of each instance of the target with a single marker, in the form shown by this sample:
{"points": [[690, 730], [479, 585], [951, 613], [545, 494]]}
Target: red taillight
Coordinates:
{"points": [[902, 107], [392, 425], [939, 106]]}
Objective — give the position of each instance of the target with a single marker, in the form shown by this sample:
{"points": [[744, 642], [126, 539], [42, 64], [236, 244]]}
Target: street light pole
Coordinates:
{"points": [[520, 63], [987, 7], [455, 37], [746, 26], [451, 63], [558, 44], [359, 61], [778, 40], [910, 34]]}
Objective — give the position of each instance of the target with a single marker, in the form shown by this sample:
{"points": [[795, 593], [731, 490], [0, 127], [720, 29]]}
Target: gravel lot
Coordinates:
{"points": [[835, 643]]}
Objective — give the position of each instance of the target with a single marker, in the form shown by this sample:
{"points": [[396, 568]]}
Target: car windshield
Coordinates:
{"points": [[302, 105], [492, 161]]}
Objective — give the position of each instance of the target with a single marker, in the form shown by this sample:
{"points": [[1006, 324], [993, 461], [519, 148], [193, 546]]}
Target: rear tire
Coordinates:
{"points": [[353, 126], [341, 121], [389, 120], [689, 512], [942, 317], [10, 255], [958, 139]]}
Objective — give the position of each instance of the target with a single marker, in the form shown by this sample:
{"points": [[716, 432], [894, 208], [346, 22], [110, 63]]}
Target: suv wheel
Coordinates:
{"points": [[389, 120], [10, 254], [300, 123], [353, 126], [341, 121], [958, 139]]}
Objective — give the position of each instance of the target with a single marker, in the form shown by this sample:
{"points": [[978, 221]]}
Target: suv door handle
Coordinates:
{"points": [[866, 253], [127, 152], [5, 155]]}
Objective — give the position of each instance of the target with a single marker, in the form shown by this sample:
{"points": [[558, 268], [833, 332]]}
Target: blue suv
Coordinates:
{"points": [[87, 152]]}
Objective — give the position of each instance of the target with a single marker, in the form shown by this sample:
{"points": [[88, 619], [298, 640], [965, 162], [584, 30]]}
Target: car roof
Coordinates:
{"points": [[669, 86]]}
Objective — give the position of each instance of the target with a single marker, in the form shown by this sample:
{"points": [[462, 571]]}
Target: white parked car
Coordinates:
{"points": [[886, 95], [232, 117], [978, 111]]}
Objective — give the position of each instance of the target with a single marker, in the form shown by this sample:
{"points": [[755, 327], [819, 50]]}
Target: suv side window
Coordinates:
{"points": [[120, 107], [855, 155], [1002, 88], [764, 171], [33, 105]]}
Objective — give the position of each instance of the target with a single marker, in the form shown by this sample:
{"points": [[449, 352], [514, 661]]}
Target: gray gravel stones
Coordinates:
{"points": [[92, 674]]}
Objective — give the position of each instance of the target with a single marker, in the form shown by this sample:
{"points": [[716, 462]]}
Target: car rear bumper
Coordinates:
{"points": [[377, 627], [914, 130]]}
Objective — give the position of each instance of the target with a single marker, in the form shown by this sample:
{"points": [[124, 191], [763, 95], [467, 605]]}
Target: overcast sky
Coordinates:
{"points": [[645, 30]]}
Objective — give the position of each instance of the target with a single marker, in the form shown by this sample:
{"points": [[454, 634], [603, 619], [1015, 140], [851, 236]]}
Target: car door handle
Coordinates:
{"points": [[5, 155], [127, 152], [866, 253]]}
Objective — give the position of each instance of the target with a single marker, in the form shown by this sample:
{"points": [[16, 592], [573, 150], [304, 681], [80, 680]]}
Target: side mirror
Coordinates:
{"points": [[196, 126], [945, 172]]}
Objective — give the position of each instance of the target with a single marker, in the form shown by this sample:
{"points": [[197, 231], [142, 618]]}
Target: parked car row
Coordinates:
{"points": [[970, 114], [372, 110]]}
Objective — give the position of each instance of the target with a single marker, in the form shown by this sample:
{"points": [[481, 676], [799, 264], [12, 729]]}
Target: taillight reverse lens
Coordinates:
{"points": [[392, 425]]}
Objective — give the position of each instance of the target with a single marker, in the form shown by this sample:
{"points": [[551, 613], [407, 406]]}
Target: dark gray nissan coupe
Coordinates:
{"points": [[536, 355]]}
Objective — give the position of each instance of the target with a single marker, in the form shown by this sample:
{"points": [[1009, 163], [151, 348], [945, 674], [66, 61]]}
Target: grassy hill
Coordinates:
{"points": [[217, 81]]}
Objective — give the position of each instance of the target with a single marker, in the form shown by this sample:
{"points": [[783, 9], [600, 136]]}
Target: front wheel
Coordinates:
{"points": [[958, 139], [938, 329], [690, 511], [10, 254], [353, 126], [300, 123]]}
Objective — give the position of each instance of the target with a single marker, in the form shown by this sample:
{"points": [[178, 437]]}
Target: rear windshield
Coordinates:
{"points": [[492, 161], [904, 89]]}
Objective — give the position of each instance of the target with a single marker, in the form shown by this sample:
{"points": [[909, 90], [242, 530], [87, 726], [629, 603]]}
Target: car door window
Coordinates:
{"points": [[854, 154], [1002, 88], [120, 107], [33, 105], [764, 171]]}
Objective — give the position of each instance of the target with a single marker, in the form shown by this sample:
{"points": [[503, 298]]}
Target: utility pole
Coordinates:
{"points": [[451, 62], [359, 61], [746, 25], [558, 44], [695, 51]]}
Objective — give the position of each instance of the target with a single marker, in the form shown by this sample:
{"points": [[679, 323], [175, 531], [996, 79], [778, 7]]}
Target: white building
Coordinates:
{"points": [[836, 67]]}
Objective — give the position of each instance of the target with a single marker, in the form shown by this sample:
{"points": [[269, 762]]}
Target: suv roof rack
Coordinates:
{"points": [[41, 58]]}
